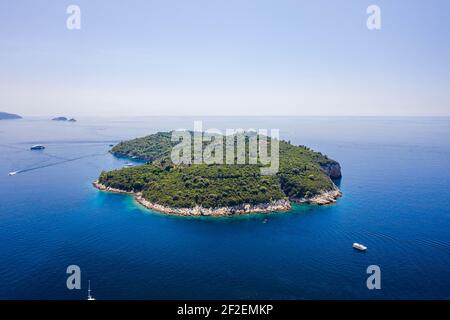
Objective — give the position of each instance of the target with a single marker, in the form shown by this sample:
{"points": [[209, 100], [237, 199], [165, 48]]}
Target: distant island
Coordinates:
{"points": [[64, 119], [9, 116], [304, 176]]}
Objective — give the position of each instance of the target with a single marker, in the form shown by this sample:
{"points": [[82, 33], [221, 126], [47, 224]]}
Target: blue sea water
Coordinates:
{"points": [[396, 185]]}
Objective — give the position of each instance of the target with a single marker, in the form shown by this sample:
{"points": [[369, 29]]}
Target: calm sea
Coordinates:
{"points": [[396, 185]]}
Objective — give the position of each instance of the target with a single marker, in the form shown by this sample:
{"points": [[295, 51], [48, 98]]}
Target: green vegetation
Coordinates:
{"points": [[301, 174], [150, 148]]}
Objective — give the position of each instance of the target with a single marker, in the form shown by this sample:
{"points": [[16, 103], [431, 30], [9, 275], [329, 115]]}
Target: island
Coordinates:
{"points": [[9, 116], [304, 176], [64, 119]]}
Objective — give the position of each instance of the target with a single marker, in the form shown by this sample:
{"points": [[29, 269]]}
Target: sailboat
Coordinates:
{"points": [[89, 291]]}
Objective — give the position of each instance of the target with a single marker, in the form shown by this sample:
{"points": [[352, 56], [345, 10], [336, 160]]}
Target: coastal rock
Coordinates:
{"points": [[333, 170], [327, 197], [102, 187], [279, 205]]}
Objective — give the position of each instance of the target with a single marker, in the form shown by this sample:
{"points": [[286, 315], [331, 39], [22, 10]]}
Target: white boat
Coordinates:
{"points": [[359, 247], [129, 164], [89, 291], [13, 173]]}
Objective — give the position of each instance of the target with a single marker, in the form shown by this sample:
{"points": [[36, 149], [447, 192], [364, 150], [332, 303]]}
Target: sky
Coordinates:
{"points": [[225, 57]]}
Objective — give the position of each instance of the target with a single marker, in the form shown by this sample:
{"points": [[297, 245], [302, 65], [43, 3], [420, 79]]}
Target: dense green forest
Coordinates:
{"points": [[153, 147], [301, 174]]}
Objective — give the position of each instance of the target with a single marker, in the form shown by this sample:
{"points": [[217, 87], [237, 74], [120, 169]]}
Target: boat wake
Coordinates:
{"points": [[64, 160]]}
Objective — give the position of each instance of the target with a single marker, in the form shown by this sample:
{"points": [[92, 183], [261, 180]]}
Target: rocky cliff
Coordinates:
{"points": [[333, 170]]}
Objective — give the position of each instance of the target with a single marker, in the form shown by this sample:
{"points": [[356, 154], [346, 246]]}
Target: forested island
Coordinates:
{"points": [[9, 116], [304, 176]]}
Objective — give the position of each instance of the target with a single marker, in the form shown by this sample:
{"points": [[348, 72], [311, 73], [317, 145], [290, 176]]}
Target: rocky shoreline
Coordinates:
{"points": [[328, 197]]}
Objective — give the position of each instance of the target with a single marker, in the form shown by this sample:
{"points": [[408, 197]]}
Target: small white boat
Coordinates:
{"points": [[129, 164], [359, 247], [13, 173]]}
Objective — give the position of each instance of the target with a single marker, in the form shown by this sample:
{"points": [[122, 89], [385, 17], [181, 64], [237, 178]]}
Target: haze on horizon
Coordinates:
{"points": [[203, 57]]}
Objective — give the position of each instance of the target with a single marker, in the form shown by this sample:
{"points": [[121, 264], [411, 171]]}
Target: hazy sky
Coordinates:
{"points": [[227, 57]]}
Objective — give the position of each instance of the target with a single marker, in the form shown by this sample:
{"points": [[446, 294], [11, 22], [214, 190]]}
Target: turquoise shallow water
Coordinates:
{"points": [[396, 201]]}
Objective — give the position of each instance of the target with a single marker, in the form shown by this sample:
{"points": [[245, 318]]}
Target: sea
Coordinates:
{"points": [[396, 201]]}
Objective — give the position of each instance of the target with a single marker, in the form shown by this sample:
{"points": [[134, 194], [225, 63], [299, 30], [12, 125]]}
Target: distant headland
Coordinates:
{"points": [[64, 119], [304, 177], [9, 116]]}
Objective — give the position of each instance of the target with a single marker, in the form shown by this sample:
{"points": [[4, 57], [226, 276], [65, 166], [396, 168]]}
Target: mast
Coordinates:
{"points": [[89, 291]]}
